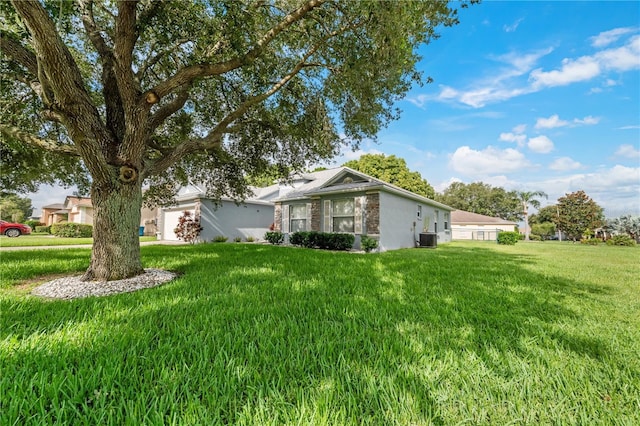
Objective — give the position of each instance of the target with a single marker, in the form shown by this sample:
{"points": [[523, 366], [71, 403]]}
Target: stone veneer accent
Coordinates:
{"points": [[315, 214], [373, 213], [277, 224]]}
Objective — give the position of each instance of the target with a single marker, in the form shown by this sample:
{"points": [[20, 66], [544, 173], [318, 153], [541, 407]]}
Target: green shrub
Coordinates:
{"points": [[341, 241], [42, 229], [237, 239], [250, 239], [535, 237], [72, 230], [368, 243], [322, 240], [300, 238], [508, 238], [220, 239], [274, 237], [590, 241], [33, 223], [621, 240]]}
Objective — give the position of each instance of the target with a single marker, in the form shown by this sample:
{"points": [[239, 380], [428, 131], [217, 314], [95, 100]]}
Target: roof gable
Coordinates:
{"points": [[347, 176]]}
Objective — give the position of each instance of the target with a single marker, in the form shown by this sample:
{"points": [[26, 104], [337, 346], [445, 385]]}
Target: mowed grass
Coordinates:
{"points": [[468, 333], [34, 240]]}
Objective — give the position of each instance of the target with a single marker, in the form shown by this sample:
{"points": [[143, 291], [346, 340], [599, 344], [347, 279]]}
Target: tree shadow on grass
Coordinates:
{"points": [[254, 334]]}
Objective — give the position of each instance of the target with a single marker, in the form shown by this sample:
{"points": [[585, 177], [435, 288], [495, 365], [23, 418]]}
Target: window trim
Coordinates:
{"points": [[342, 216]]}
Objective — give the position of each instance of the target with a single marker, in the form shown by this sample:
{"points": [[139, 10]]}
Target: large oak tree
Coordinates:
{"points": [[121, 94]]}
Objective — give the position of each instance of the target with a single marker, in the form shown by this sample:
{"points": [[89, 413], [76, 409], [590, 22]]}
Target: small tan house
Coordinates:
{"points": [[80, 210], [473, 226], [53, 213], [74, 209]]}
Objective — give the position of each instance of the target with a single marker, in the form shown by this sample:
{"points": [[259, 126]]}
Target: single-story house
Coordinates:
{"points": [[74, 209], [80, 210], [249, 219], [345, 200], [53, 213], [473, 226]]}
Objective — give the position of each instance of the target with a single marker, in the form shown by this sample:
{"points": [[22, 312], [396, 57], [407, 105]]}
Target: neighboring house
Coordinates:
{"points": [[53, 213], [80, 210], [251, 218], [344, 200], [74, 209], [474, 226]]}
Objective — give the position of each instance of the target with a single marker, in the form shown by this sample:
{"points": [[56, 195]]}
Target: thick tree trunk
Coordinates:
{"points": [[116, 220]]}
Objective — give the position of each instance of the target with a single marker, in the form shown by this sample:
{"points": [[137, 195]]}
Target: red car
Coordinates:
{"points": [[13, 229]]}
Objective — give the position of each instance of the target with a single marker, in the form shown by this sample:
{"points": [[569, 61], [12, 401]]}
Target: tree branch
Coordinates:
{"points": [[59, 73], [92, 30], [188, 74], [46, 144], [167, 110], [20, 54]]}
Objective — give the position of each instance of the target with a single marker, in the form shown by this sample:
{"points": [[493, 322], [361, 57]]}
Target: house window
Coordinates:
{"points": [[419, 212], [298, 216], [446, 221], [343, 213]]}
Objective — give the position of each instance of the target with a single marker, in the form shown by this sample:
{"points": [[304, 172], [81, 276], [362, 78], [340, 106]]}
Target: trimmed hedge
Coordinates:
{"points": [[621, 240], [72, 230], [508, 238], [46, 229], [322, 240], [274, 237]]}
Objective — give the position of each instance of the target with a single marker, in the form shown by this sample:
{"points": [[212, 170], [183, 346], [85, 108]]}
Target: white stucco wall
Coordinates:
{"points": [[399, 225], [230, 220], [479, 232]]}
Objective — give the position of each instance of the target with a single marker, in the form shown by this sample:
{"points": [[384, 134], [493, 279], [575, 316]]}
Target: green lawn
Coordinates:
{"points": [[49, 240], [468, 333]]}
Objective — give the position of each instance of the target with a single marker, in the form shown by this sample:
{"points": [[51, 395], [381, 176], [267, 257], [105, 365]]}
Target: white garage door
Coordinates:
{"points": [[170, 223]]}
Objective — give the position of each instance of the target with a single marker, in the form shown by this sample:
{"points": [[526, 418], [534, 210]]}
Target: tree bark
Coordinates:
{"points": [[116, 245]]}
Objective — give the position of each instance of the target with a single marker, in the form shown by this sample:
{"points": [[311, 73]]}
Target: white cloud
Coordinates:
{"points": [[554, 121], [616, 189], [513, 137], [607, 37], [564, 163], [418, 100], [441, 186], [572, 71], [506, 81], [585, 68], [520, 128], [511, 28], [588, 120], [540, 144], [489, 161], [628, 151], [623, 58], [550, 123]]}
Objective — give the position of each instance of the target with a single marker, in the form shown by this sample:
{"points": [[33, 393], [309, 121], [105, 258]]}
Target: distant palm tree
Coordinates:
{"points": [[528, 198]]}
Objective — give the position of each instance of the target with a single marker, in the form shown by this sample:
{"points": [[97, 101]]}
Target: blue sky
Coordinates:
{"points": [[527, 96]]}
